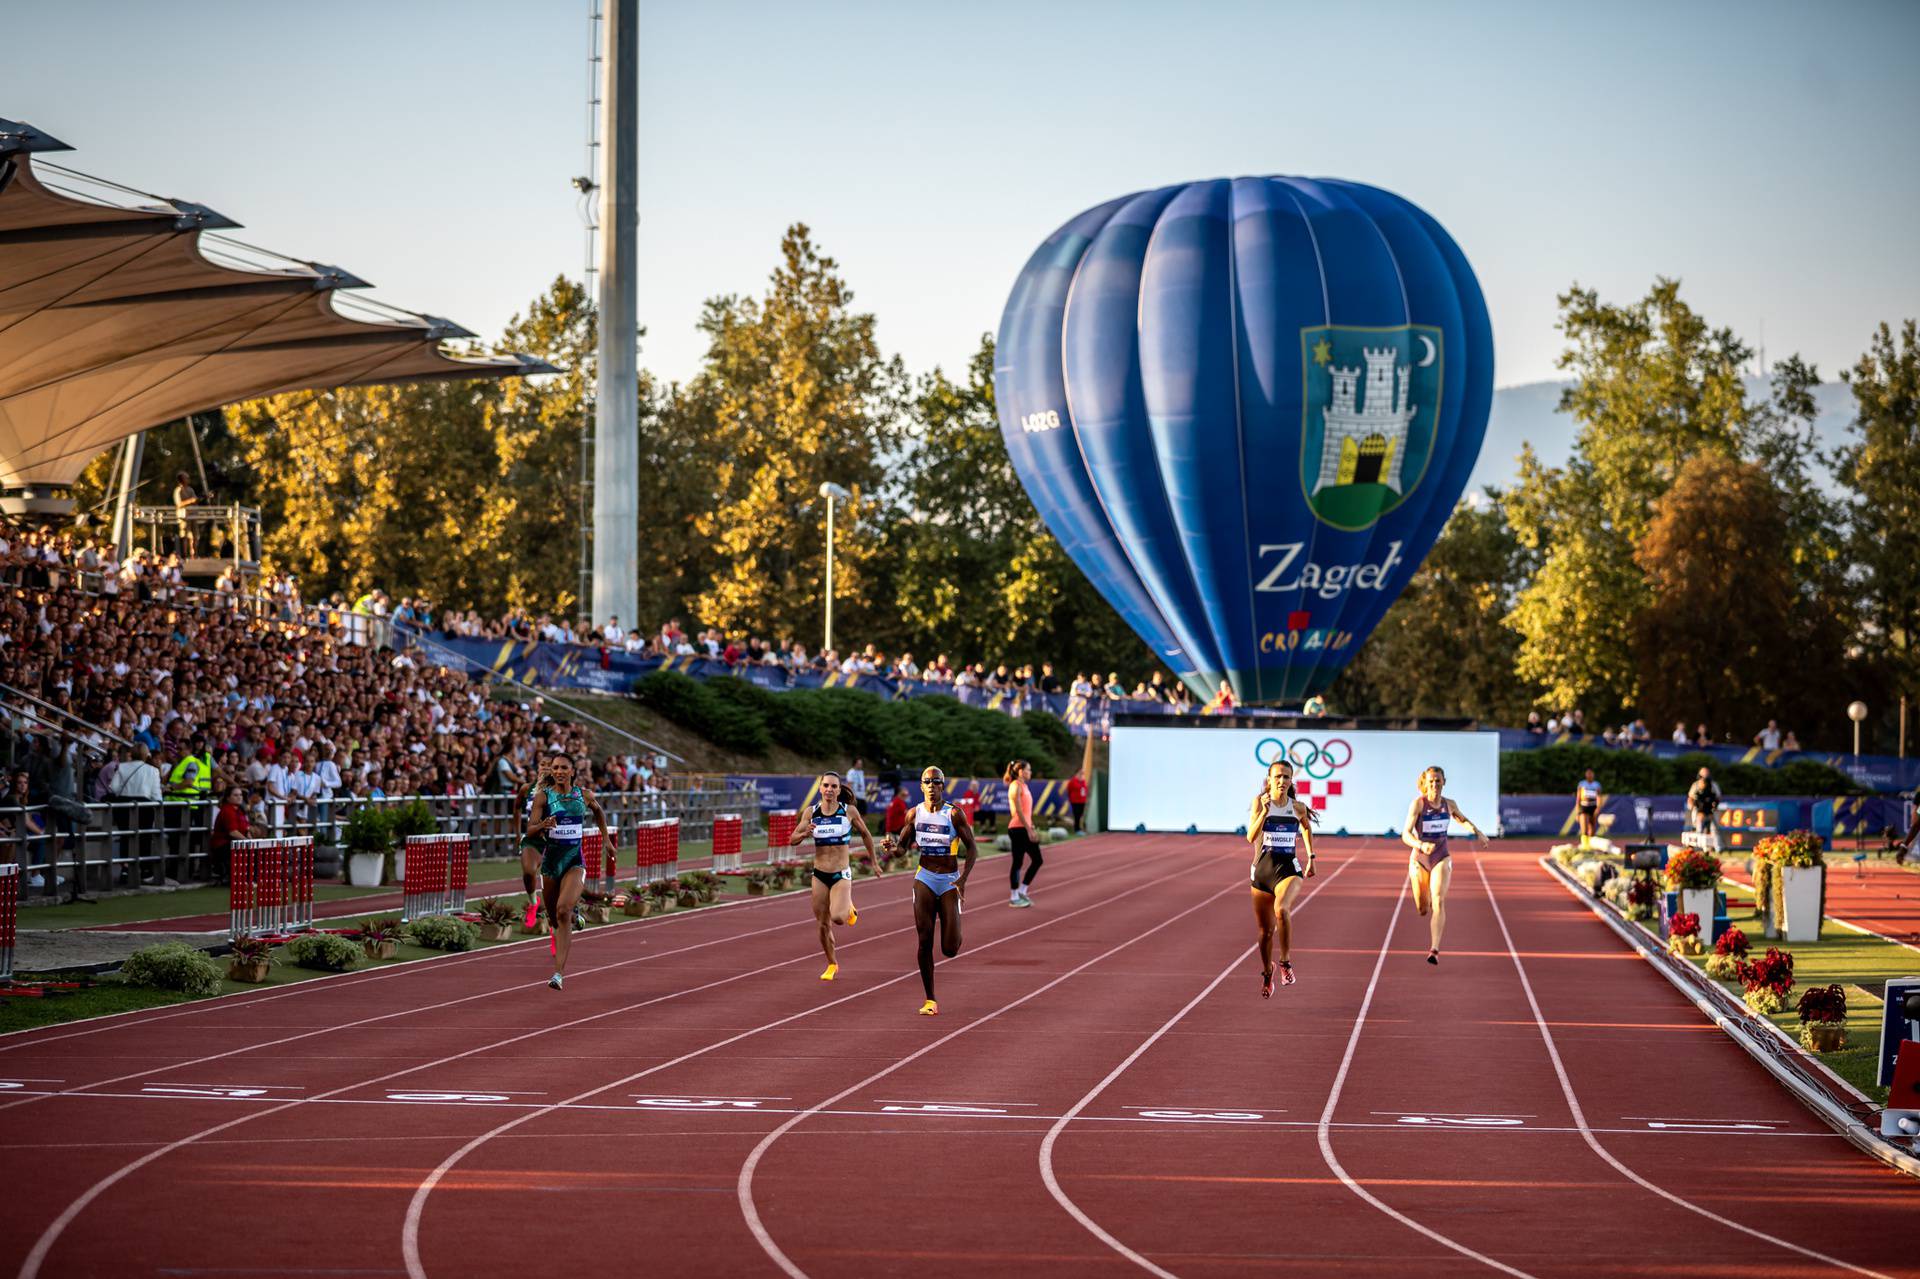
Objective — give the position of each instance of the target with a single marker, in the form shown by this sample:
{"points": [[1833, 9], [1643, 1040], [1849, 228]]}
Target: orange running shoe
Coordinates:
{"points": [[853, 917], [929, 1009], [831, 970]]}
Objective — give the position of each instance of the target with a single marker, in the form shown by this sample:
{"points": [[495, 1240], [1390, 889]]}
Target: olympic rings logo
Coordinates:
{"points": [[1317, 762]]}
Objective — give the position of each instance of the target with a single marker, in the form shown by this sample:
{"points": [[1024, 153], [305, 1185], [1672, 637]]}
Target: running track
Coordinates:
{"points": [[1104, 1094]]}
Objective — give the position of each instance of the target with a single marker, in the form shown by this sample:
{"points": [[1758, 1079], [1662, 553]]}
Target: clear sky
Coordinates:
{"points": [[1763, 152]]}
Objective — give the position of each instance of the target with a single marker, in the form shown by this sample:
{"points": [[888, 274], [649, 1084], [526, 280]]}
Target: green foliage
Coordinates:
{"points": [[842, 723], [1881, 467], [323, 951], [1555, 770], [442, 932], [368, 829], [172, 965], [415, 817]]}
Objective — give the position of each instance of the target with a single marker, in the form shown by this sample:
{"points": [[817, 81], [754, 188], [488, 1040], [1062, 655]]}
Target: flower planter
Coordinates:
{"points": [[256, 971], [599, 914], [1800, 898], [380, 949], [363, 869], [638, 907], [756, 888], [1699, 901], [1824, 1036], [686, 901], [496, 932]]}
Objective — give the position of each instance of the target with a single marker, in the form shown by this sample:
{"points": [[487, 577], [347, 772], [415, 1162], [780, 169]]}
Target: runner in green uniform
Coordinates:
{"points": [[559, 817]]}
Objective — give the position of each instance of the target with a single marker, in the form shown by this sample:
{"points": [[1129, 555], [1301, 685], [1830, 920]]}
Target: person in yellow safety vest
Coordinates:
{"points": [[192, 774]]}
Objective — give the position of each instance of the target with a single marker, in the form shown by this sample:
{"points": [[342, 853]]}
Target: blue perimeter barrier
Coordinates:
{"points": [[588, 667]]}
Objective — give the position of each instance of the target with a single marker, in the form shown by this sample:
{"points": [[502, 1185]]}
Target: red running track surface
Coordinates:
{"points": [[1877, 895], [1104, 1093]]}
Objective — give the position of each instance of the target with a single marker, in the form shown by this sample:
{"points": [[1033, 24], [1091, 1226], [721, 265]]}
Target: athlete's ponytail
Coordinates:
{"points": [[1011, 774]]}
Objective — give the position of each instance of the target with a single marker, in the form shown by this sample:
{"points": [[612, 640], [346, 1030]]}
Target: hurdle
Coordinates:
{"points": [[435, 879], [270, 888], [599, 877], [9, 916], [780, 824], [657, 850], [727, 828]]}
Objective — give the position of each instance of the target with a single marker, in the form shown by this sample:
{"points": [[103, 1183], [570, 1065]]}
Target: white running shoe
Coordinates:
{"points": [[1018, 900], [553, 982], [1026, 898]]}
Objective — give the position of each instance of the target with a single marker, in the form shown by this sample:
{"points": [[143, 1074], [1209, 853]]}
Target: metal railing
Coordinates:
{"points": [[139, 844]]}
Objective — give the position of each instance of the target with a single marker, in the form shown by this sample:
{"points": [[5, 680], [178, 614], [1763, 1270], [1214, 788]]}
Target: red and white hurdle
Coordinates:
{"points": [[657, 850], [780, 824], [435, 876], [270, 888], [600, 874], [727, 831], [9, 916]]}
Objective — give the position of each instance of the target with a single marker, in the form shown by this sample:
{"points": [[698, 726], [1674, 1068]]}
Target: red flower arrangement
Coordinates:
{"points": [[1686, 924], [1691, 868], [1640, 893], [1823, 1003], [1732, 942], [1800, 848], [1772, 971]]}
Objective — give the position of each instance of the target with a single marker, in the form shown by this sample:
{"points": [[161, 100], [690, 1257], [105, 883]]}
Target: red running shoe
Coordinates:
{"points": [[1266, 983], [1286, 974]]}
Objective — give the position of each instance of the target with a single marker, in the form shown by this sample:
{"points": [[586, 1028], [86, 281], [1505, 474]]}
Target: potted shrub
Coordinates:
{"points": [[1823, 1018], [249, 959], [685, 895], [1789, 876], [1683, 934], [1640, 898], [380, 938], [442, 932], [367, 838], [496, 918], [597, 906], [412, 818], [1767, 981], [323, 951], [638, 903], [703, 884], [1728, 950], [757, 880], [1695, 875], [661, 893]]}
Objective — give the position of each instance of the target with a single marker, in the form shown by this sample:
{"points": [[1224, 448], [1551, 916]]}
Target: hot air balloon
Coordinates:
{"points": [[1246, 407]]}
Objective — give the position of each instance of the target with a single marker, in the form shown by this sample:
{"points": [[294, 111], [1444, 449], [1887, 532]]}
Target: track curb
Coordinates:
{"points": [[1808, 1080]]}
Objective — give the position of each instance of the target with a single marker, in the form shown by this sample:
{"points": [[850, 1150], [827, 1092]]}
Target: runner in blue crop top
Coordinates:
{"points": [[1430, 866], [1586, 800], [940, 885], [1280, 828], [830, 824], [559, 819]]}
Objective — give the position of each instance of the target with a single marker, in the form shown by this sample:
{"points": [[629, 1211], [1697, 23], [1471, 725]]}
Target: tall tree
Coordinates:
{"points": [[975, 571], [1654, 385], [1881, 469], [1444, 648], [794, 393]]}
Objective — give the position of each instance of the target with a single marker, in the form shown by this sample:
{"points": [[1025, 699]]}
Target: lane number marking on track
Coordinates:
{"points": [[1169, 1113], [699, 1103], [448, 1096], [938, 1108], [1708, 1127], [202, 1090], [1465, 1121]]}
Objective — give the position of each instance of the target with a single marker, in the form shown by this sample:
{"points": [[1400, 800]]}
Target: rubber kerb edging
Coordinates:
{"points": [[1763, 1050]]}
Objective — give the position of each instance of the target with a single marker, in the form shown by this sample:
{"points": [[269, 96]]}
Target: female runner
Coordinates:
{"points": [[559, 815], [830, 824], [1277, 828], [1429, 865], [531, 845], [1586, 798], [940, 885], [1020, 830]]}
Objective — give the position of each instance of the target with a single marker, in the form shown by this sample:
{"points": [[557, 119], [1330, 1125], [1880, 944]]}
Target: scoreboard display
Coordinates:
{"points": [[1744, 825]]}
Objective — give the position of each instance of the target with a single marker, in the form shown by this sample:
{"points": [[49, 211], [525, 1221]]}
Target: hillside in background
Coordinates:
{"points": [[1529, 414]]}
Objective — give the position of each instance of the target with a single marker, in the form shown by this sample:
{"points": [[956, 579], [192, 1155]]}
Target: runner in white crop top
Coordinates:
{"points": [[940, 885]]}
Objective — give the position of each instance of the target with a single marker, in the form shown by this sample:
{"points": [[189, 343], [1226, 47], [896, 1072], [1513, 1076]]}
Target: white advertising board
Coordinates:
{"points": [[1360, 780]]}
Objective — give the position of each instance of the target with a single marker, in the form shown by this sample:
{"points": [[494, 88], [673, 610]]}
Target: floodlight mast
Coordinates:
{"points": [[616, 434]]}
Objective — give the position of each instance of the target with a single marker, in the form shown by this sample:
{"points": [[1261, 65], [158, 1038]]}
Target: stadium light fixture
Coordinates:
{"points": [[832, 492]]}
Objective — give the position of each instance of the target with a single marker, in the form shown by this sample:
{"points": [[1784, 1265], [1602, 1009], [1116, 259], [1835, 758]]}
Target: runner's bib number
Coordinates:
{"points": [[1282, 841], [567, 831], [1433, 825]]}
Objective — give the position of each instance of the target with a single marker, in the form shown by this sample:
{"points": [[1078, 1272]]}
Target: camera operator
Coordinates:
{"points": [[1703, 797]]}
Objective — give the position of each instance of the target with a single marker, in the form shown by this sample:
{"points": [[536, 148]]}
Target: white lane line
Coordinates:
{"points": [[745, 1183], [1053, 1134], [1333, 1099], [416, 1209], [31, 1267], [1586, 1132]]}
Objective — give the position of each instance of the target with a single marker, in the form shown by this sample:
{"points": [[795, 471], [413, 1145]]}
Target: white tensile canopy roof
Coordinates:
{"points": [[119, 311]]}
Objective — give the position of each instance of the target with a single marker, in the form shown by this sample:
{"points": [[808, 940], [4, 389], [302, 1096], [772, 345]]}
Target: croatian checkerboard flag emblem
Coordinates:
{"points": [[1327, 790]]}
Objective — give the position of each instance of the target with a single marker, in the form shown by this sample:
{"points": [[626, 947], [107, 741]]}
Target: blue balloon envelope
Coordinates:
{"points": [[1246, 407]]}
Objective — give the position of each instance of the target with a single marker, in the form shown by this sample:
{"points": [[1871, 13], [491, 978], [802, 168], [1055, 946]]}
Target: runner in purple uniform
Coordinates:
{"points": [[1429, 865]]}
